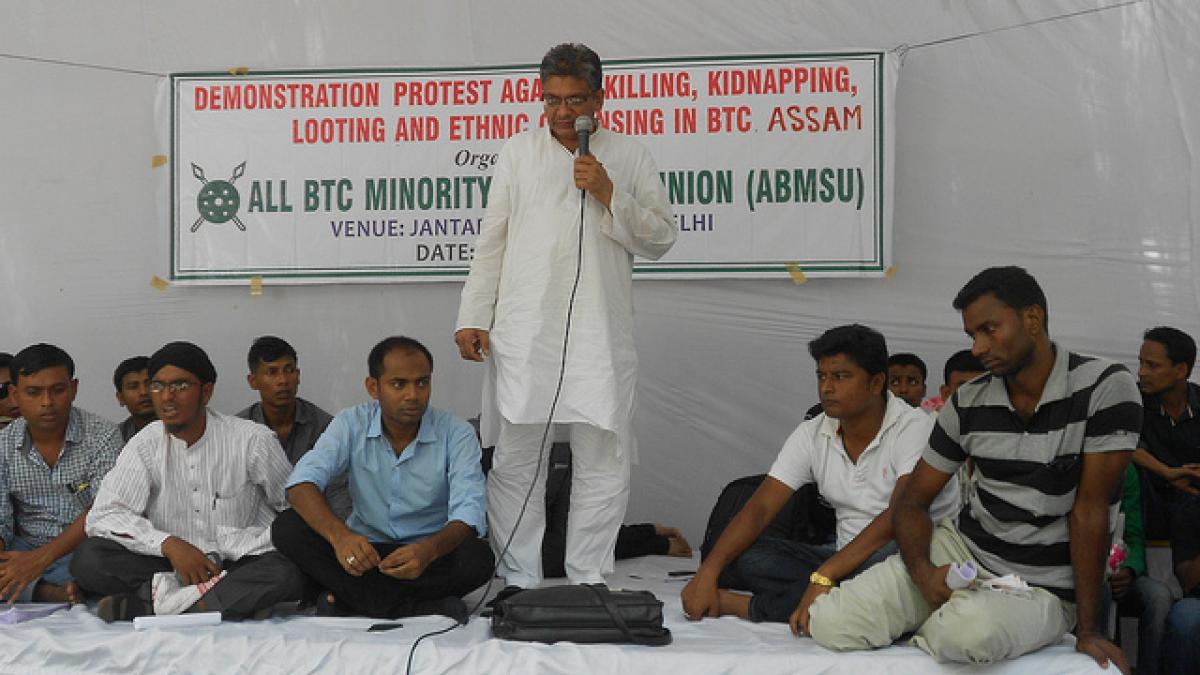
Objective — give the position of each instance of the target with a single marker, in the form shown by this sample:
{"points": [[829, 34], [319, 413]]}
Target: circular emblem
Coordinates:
{"points": [[218, 201]]}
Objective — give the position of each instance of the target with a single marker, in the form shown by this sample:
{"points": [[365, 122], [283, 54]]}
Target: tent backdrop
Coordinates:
{"points": [[1059, 135]]}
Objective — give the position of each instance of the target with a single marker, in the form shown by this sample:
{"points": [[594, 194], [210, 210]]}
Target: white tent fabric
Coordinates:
{"points": [[1056, 135]]}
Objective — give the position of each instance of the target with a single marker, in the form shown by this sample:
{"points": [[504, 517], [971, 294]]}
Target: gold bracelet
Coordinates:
{"points": [[821, 580]]}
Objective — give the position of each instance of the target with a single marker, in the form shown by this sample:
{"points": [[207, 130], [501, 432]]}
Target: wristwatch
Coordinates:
{"points": [[821, 580]]}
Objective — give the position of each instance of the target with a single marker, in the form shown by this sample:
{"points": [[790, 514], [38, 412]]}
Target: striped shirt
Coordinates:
{"points": [[37, 501], [219, 495], [1026, 473], [307, 426]]}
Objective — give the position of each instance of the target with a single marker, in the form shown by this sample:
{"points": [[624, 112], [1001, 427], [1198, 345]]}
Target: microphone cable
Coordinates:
{"points": [[542, 449]]}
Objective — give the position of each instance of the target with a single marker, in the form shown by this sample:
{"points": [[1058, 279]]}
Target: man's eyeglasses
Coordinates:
{"points": [[176, 387], [570, 101], [4, 390]]}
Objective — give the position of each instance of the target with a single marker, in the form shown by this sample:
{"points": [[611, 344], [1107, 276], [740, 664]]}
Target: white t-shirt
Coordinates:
{"points": [[860, 491]]}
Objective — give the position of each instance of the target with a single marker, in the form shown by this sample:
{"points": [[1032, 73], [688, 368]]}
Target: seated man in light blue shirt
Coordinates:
{"points": [[411, 544]]}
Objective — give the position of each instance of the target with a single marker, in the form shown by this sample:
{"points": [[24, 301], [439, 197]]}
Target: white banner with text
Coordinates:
{"points": [[775, 165]]}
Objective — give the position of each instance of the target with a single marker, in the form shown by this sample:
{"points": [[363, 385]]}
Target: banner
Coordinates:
{"points": [[774, 165]]}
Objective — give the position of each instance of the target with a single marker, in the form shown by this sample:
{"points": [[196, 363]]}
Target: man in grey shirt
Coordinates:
{"points": [[275, 375], [133, 393]]}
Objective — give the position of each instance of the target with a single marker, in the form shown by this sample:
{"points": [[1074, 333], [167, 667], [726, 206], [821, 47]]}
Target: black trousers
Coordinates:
{"points": [[252, 583], [632, 541], [375, 594]]}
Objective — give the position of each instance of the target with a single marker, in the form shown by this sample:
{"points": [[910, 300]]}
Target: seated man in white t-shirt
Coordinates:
{"points": [[857, 451]]}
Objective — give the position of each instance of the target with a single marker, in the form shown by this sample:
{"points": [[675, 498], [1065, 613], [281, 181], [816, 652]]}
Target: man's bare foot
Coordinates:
{"points": [[676, 544], [68, 593], [737, 604], [679, 547]]}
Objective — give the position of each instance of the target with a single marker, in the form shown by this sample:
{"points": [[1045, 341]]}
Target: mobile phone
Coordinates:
{"points": [[380, 627]]}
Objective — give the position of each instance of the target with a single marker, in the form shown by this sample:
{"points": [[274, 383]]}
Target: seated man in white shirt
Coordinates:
{"points": [[182, 522], [857, 451]]}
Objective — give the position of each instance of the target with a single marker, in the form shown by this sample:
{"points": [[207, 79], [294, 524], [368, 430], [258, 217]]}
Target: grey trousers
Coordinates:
{"points": [[252, 583], [974, 626]]}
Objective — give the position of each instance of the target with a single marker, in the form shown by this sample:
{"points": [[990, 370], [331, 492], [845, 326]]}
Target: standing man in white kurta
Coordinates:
{"points": [[514, 315]]}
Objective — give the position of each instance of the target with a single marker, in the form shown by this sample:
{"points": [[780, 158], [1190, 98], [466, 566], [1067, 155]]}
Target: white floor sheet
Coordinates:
{"points": [[76, 641]]}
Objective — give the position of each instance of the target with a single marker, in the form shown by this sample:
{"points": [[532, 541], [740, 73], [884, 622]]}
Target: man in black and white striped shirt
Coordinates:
{"points": [[1050, 433], [191, 496]]}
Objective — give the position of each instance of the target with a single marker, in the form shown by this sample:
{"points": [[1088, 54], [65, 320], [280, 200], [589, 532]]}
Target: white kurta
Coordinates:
{"points": [[522, 273]]}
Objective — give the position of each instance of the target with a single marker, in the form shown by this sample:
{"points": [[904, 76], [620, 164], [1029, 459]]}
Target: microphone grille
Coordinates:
{"points": [[583, 123]]}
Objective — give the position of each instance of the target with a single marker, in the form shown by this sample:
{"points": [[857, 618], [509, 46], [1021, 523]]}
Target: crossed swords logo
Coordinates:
{"points": [[218, 200]]}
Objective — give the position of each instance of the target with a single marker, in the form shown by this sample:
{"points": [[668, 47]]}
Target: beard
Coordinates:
{"points": [[1153, 390], [1021, 362]]}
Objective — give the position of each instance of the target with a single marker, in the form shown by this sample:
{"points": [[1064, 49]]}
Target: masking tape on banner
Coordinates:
{"points": [[159, 282], [157, 161], [797, 274], [889, 272], [256, 285], [240, 70]]}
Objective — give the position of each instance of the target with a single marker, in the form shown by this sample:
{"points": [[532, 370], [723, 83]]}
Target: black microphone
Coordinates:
{"points": [[583, 130]]}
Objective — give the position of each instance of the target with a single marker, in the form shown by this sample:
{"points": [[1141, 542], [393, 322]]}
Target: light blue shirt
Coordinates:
{"points": [[435, 480]]}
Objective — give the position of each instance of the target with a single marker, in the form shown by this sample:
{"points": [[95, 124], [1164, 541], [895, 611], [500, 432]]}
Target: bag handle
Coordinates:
{"points": [[603, 594]]}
